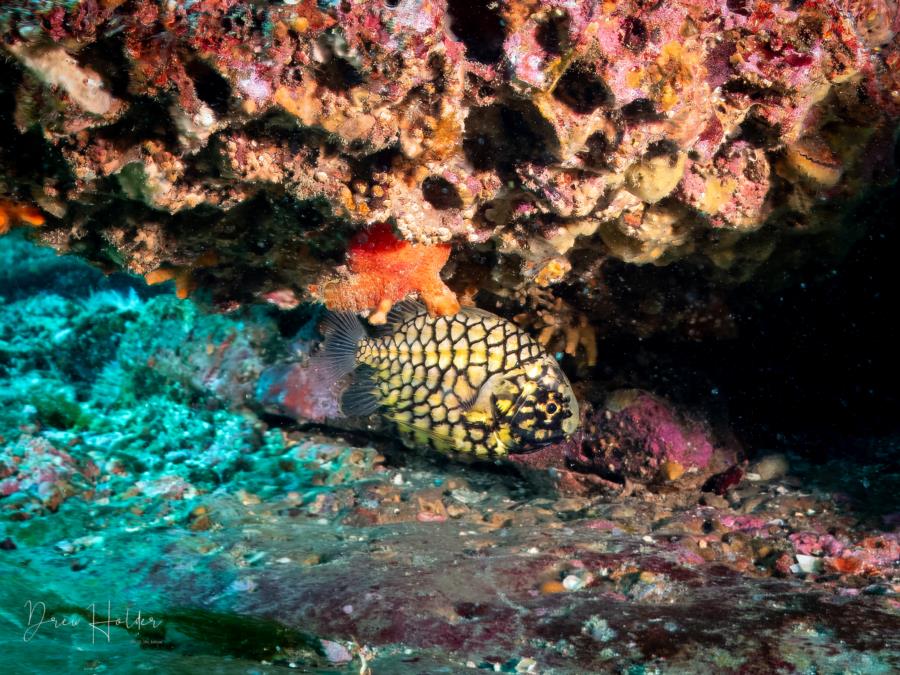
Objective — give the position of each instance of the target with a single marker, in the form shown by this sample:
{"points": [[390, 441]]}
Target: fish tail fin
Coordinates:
{"points": [[343, 332]]}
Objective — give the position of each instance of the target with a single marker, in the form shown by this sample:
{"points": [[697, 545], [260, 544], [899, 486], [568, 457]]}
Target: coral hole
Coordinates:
{"points": [[581, 89], [663, 148], [499, 135], [640, 110], [441, 193], [552, 33], [213, 89], [337, 70], [742, 7], [107, 56], [599, 147], [634, 34], [759, 132], [478, 24]]}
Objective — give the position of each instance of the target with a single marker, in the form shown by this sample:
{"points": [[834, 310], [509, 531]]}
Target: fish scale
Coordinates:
{"points": [[472, 384]]}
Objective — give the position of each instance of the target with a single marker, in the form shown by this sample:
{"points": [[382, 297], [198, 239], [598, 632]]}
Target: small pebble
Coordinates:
{"points": [[550, 587], [572, 582], [526, 666], [336, 652], [467, 496], [672, 470], [807, 564], [65, 547], [770, 467], [715, 501]]}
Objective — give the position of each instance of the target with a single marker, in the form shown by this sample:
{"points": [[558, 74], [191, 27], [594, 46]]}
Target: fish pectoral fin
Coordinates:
{"points": [[476, 416], [343, 332], [482, 398]]}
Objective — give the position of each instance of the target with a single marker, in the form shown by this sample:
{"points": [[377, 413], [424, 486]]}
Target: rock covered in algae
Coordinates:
{"points": [[241, 147], [635, 442]]}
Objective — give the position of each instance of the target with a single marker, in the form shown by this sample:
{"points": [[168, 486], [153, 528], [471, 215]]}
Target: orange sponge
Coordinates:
{"points": [[384, 269]]}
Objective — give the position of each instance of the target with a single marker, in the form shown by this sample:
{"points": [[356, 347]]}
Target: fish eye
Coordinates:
{"points": [[552, 408]]}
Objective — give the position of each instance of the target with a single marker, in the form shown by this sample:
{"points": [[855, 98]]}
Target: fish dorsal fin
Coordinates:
{"points": [[343, 332], [401, 312], [359, 399], [483, 313]]}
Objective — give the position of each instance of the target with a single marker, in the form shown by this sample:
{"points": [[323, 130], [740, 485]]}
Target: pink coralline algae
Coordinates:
{"points": [[860, 556], [36, 476], [643, 437], [636, 439]]}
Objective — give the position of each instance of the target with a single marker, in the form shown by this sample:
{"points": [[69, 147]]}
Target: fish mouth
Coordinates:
{"points": [[572, 422], [533, 445]]}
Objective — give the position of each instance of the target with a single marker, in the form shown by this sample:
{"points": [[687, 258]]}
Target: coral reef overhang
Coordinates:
{"points": [[238, 146]]}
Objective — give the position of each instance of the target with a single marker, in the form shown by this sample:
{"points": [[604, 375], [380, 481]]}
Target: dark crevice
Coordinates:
{"points": [[759, 132], [663, 148], [582, 90], [338, 75], [213, 89], [107, 57], [634, 34], [500, 136], [755, 92], [147, 119], [441, 193], [479, 26], [552, 33], [335, 71], [640, 110], [742, 7]]}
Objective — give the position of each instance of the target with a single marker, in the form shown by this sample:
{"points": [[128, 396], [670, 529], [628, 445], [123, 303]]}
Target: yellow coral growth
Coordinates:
{"points": [[184, 280], [12, 213], [185, 284]]}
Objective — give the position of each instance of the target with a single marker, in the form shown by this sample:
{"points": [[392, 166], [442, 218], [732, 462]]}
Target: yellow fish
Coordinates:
{"points": [[471, 384]]}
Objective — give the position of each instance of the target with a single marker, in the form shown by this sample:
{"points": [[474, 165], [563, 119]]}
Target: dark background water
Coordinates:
{"points": [[813, 366]]}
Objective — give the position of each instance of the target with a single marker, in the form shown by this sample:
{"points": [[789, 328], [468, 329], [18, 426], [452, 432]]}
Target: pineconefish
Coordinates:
{"points": [[471, 384]]}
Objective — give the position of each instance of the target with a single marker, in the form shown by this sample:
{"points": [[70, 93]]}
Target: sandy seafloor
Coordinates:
{"points": [[140, 482]]}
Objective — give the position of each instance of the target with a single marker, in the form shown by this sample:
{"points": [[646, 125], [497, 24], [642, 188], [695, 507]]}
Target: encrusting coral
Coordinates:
{"points": [[382, 270]]}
